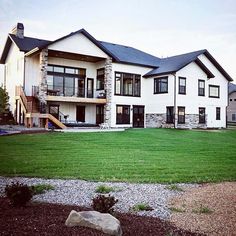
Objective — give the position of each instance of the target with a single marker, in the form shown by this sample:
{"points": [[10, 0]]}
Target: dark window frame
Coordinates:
{"points": [[135, 77], [184, 92], [157, 85], [202, 119], [170, 118], [199, 89], [214, 86], [124, 119], [100, 78], [179, 120], [218, 113], [90, 95]]}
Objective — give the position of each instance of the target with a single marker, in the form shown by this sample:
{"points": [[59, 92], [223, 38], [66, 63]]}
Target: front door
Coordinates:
{"points": [[54, 111], [80, 113], [99, 114], [138, 116]]}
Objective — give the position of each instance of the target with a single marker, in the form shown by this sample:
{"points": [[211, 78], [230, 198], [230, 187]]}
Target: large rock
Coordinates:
{"points": [[96, 220]]}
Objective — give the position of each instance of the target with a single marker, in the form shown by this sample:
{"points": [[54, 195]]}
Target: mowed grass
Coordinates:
{"points": [[136, 155]]}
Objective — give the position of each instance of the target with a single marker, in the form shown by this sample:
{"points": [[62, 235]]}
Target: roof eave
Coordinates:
{"points": [[204, 68], [5, 50], [158, 74]]}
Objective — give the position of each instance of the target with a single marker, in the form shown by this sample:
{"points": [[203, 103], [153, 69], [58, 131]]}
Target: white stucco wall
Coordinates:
{"points": [[14, 68], [78, 43]]}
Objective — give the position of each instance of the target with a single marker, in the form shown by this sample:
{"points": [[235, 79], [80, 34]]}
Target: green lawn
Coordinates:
{"points": [[144, 155]]}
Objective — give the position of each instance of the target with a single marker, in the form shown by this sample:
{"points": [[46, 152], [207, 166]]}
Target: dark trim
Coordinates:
{"points": [[121, 85], [199, 119], [158, 74], [218, 113], [156, 82], [6, 50], [214, 86], [100, 69], [201, 80], [170, 121], [127, 106], [179, 116], [204, 68], [87, 95], [182, 78]]}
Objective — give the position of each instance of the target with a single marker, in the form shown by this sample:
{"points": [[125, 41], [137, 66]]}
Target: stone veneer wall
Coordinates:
{"points": [[43, 62], [159, 121], [108, 89]]}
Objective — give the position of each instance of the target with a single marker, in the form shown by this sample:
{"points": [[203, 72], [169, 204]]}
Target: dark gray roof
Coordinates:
{"points": [[131, 55], [232, 88], [27, 43], [175, 63]]}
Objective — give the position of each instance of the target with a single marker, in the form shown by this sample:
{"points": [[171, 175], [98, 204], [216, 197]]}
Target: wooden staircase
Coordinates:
{"points": [[31, 108]]}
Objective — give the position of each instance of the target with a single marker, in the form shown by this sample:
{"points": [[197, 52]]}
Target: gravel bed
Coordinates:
{"points": [[81, 193]]}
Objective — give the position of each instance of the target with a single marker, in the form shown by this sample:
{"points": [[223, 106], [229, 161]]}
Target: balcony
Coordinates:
{"points": [[72, 94]]}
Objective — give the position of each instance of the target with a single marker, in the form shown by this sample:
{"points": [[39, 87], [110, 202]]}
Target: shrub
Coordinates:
{"points": [[104, 204], [141, 207], [104, 189], [174, 187], [18, 194], [41, 188]]}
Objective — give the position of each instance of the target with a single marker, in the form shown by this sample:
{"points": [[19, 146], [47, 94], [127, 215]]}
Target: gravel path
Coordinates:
{"points": [[80, 192]]}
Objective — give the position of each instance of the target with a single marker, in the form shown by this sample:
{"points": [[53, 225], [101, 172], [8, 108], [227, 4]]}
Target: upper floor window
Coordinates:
{"points": [[202, 115], [127, 84], [214, 91], [181, 115], [170, 115], [100, 79], [234, 117], [161, 85], [182, 85], [201, 87], [217, 113]]}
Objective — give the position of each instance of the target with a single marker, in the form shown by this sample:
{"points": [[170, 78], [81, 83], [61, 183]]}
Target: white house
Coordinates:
{"points": [[78, 80], [231, 109]]}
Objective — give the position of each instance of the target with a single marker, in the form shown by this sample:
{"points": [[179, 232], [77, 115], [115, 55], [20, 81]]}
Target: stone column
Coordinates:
{"points": [[43, 62], [108, 90]]}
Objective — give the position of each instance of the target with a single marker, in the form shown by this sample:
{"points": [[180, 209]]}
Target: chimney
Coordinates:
{"points": [[18, 30]]}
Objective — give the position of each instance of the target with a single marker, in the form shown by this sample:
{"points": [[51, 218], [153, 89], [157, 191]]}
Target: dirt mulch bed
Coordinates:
{"points": [[209, 209], [49, 219]]}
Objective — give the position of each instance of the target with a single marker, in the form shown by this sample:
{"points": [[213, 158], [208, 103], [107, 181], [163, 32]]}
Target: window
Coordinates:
{"points": [[127, 84], [231, 99], [63, 81], [202, 115], [201, 87], [214, 91], [182, 85], [235, 100], [161, 85], [100, 79], [181, 115], [234, 117], [218, 113], [170, 115], [122, 114]]}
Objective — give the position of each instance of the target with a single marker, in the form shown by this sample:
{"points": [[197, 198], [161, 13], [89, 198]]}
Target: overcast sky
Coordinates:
{"points": [[160, 27]]}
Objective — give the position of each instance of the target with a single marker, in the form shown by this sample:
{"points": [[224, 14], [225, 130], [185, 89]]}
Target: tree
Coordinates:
{"points": [[4, 99]]}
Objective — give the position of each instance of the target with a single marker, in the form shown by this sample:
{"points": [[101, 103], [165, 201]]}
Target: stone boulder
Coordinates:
{"points": [[96, 220]]}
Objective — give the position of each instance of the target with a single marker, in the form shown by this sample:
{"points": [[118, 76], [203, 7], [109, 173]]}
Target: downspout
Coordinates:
{"points": [[24, 74], [4, 81], [174, 99]]}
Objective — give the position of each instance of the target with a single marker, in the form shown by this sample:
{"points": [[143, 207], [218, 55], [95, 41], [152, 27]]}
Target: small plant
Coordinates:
{"points": [[141, 207], [175, 209], [174, 187], [104, 189], [104, 204], [202, 210], [41, 188], [18, 194]]}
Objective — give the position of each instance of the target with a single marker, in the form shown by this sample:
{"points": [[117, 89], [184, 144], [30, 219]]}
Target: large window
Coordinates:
{"points": [[218, 113], [64, 81], [182, 85], [170, 115], [122, 114], [181, 115], [100, 79], [127, 84], [214, 91], [161, 85], [201, 87], [202, 115]]}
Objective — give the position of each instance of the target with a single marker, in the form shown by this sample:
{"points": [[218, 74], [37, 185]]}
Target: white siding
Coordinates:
{"points": [[80, 44]]}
